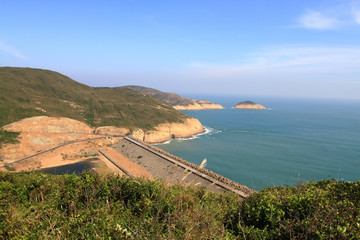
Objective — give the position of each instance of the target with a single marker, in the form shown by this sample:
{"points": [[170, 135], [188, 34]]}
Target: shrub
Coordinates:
{"points": [[36, 205], [323, 210]]}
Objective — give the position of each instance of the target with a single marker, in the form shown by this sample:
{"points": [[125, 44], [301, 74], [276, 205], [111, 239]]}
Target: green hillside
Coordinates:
{"points": [[170, 98], [26, 92], [89, 206]]}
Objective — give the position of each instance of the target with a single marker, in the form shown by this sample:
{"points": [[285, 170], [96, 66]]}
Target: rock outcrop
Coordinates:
{"points": [[249, 105], [44, 124], [167, 131], [111, 130], [40, 133]]}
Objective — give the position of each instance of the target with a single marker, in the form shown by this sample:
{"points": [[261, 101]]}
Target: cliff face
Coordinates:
{"points": [[168, 131], [111, 130], [40, 133], [44, 124], [249, 105]]}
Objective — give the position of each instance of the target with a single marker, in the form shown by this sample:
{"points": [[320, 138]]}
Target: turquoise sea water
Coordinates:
{"points": [[295, 141]]}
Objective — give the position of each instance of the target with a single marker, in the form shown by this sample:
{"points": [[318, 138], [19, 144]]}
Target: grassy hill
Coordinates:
{"points": [[170, 98], [89, 206], [26, 92]]}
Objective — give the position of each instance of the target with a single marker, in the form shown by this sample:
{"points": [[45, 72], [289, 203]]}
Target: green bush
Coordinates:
{"points": [[323, 210], [36, 205], [8, 137]]}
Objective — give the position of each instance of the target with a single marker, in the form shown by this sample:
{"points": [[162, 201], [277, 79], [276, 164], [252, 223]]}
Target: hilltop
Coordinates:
{"points": [[27, 92], [178, 102]]}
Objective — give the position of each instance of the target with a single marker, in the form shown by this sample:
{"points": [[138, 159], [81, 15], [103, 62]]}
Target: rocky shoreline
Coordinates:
{"points": [[167, 131]]}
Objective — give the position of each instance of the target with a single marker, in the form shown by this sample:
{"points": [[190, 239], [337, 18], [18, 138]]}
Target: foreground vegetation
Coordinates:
{"points": [[27, 92], [89, 206]]}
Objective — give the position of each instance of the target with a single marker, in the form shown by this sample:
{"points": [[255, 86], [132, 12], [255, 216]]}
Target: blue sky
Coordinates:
{"points": [[263, 48]]}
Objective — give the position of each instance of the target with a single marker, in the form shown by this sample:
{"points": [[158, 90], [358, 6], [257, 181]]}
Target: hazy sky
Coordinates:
{"points": [[300, 48]]}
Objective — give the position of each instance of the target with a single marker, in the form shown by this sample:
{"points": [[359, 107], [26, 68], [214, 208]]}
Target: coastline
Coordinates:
{"points": [[195, 136], [168, 131], [42, 133], [89, 147]]}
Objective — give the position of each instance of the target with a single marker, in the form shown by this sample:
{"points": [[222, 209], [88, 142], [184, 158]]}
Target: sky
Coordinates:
{"points": [[278, 48]]}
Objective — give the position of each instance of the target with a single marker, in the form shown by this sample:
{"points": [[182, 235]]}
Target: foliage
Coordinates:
{"points": [[8, 137], [36, 205], [322, 210], [27, 92]]}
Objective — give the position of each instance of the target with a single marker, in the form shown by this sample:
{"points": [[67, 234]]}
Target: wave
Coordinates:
{"points": [[208, 131], [163, 143]]}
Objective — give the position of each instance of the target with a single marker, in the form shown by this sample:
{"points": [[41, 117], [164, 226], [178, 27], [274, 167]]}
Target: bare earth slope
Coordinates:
{"points": [[42, 132], [178, 102]]}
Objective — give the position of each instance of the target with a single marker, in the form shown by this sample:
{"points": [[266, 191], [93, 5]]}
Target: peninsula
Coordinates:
{"points": [[178, 102], [249, 105], [28, 92]]}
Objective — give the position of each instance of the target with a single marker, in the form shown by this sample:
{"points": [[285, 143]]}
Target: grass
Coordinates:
{"points": [[36, 205], [27, 92], [170, 98], [9, 168], [8, 137]]}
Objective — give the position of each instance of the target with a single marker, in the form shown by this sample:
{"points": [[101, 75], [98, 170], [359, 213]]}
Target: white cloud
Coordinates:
{"points": [[332, 18], [318, 20], [287, 60], [329, 72], [11, 51], [356, 13]]}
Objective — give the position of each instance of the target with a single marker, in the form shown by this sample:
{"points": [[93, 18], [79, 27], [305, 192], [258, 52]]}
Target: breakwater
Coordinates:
{"points": [[205, 173]]}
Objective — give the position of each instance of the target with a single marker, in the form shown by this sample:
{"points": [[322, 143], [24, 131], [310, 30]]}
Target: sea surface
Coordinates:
{"points": [[294, 141]]}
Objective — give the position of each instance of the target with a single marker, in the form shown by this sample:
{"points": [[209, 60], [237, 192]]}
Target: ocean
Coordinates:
{"points": [[294, 141]]}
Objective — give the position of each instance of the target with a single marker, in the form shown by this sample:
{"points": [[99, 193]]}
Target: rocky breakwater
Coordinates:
{"points": [[167, 131], [249, 105], [199, 105]]}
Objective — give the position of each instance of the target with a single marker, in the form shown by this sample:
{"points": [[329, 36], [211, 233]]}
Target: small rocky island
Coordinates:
{"points": [[249, 105]]}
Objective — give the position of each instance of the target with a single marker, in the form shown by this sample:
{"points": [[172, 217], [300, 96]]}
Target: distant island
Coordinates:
{"points": [[249, 105], [178, 102]]}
